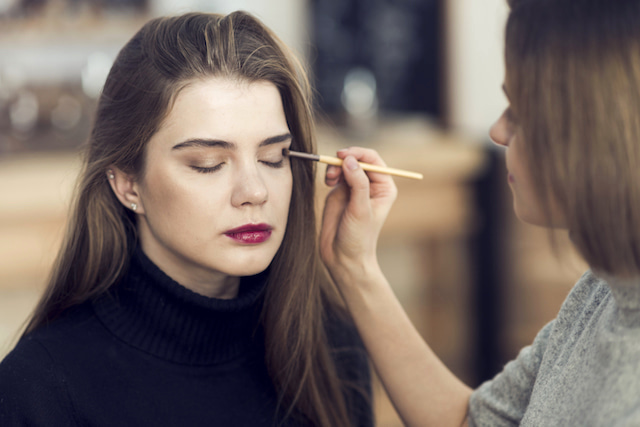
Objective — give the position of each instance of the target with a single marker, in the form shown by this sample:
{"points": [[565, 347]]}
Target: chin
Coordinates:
{"points": [[248, 268], [252, 271], [537, 218], [529, 217]]}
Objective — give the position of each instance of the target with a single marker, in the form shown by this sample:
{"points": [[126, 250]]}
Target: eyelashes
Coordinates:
{"points": [[207, 170], [275, 165]]}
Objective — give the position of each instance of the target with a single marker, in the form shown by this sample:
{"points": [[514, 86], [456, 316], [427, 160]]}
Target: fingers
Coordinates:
{"points": [[358, 182], [354, 211], [334, 176], [331, 217], [366, 155]]}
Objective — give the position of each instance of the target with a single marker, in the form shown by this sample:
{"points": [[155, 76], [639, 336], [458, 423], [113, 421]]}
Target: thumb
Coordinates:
{"points": [[358, 182]]}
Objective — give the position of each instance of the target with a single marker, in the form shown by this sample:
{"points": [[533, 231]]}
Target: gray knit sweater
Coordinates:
{"points": [[583, 368]]}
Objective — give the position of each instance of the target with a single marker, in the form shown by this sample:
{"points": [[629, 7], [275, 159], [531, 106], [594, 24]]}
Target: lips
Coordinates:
{"points": [[250, 233]]}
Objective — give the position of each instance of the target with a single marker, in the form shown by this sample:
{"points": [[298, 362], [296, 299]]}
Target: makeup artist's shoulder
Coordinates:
{"points": [[589, 284], [590, 290]]}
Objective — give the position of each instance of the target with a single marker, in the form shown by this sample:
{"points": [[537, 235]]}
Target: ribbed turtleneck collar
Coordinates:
{"points": [[150, 311]]}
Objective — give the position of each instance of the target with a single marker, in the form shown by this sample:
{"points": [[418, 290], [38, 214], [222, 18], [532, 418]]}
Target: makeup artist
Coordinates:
{"points": [[188, 290], [572, 140]]}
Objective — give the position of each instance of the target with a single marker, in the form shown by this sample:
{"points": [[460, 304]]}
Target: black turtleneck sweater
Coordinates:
{"points": [[153, 353]]}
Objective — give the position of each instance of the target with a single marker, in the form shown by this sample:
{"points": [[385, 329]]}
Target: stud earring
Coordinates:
{"points": [[110, 174], [134, 206]]}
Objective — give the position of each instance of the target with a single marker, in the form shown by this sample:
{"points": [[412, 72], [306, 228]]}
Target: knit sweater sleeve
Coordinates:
{"points": [[503, 400], [32, 389]]}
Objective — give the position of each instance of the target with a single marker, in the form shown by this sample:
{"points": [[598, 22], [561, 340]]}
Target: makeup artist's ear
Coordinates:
{"points": [[125, 188]]}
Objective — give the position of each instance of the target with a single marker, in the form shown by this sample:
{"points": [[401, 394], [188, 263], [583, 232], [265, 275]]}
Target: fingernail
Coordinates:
{"points": [[351, 163]]}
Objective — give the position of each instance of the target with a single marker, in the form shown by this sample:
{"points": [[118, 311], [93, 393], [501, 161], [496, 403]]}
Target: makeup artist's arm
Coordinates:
{"points": [[422, 389]]}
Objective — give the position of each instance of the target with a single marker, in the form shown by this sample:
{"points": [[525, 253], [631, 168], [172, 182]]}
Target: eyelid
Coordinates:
{"points": [[268, 158], [212, 169], [278, 164]]}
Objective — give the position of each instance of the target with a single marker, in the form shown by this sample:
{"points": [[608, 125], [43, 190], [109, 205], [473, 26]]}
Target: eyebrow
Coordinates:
{"points": [[201, 142]]}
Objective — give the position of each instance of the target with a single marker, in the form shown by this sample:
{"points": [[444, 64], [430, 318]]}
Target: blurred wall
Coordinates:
{"points": [[475, 64], [288, 18], [473, 51]]}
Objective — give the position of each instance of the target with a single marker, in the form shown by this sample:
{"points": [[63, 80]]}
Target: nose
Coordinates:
{"points": [[249, 188], [500, 131]]}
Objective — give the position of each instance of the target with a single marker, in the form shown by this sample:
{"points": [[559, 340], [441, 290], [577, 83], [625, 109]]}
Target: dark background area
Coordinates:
{"points": [[400, 42]]}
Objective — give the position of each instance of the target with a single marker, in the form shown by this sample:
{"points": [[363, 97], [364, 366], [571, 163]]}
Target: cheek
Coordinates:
{"points": [[286, 190], [158, 187], [280, 191], [515, 160], [168, 195]]}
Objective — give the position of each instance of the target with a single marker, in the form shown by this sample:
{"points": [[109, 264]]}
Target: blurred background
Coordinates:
{"points": [[418, 80]]}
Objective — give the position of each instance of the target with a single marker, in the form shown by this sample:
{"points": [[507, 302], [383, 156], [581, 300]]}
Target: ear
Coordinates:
{"points": [[125, 188]]}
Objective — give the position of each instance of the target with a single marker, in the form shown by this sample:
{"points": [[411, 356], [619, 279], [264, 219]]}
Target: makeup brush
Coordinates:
{"points": [[338, 162]]}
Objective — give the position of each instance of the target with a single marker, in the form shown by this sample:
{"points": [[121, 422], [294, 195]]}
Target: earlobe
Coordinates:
{"points": [[125, 188]]}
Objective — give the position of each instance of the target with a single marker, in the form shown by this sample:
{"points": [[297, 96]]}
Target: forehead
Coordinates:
{"points": [[222, 108]]}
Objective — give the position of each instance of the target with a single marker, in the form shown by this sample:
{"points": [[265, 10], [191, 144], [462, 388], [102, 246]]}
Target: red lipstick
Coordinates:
{"points": [[250, 233]]}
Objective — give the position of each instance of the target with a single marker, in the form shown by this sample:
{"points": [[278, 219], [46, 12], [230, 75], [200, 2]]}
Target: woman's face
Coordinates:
{"points": [[214, 198], [525, 202]]}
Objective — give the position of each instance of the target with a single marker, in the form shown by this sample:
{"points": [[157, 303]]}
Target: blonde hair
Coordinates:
{"points": [[573, 77], [149, 71]]}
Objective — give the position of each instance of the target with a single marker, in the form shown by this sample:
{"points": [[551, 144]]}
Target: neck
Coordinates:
{"points": [[227, 288], [212, 284]]}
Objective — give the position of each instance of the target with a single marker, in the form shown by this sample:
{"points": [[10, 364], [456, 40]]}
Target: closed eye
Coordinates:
{"points": [[278, 164], [208, 170]]}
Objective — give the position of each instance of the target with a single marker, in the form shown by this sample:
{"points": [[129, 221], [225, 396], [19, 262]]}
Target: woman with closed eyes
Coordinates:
{"points": [[188, 290]]}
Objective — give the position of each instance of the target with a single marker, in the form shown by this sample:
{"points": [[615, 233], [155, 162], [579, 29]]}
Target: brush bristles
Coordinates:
{"points": [[307, 156]]}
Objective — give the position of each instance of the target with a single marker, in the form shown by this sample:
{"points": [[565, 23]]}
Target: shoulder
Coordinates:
{"points": [[504, 399], [352, 364], [342, 333], [34, 381], [37, 352], [32, 387], [62, 337], [29, 355], [588, 287], [588, 293], [347, 348]]}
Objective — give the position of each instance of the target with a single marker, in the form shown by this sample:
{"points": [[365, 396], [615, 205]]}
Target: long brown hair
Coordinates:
{"points": [[573, 77], [149, 71]]}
